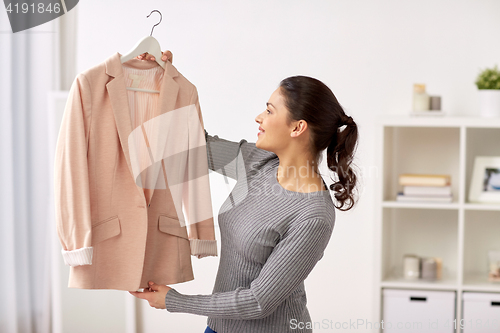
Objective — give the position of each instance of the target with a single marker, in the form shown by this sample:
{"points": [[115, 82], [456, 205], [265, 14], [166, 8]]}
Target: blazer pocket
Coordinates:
{"points": [[105, 229], [171, 226]]}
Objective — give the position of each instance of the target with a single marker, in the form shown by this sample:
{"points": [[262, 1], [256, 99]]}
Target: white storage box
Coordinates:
{"points": [[416, 311], [481, 312]]}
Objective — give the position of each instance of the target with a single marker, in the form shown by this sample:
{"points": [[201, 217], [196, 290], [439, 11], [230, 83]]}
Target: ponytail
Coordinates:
{"points": [[340, 154]]}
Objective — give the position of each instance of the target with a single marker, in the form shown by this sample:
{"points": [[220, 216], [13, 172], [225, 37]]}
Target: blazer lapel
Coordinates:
{"points": [[117, 91]]}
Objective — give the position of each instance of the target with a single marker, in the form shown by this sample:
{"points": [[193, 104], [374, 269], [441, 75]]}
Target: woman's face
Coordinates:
{"points": [[274, 133]]}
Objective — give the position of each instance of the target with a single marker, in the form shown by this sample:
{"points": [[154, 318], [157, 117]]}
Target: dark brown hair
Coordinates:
{"points": [[311, 100]]}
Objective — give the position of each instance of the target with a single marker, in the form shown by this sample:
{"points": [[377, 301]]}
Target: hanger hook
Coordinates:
{"points": [[156, 23]]}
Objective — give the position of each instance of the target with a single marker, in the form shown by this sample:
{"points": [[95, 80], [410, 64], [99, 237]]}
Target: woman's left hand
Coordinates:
{"points": [[155, 295]]}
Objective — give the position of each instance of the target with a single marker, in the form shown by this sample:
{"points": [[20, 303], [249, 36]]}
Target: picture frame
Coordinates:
{"points": [[485, 182]]}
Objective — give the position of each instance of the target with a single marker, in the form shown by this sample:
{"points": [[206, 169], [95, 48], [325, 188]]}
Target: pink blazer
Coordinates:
{"points": [[116, 231]]}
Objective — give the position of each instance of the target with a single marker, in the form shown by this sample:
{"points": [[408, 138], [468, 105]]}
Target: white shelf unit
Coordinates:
{"points": [[460, 232]]}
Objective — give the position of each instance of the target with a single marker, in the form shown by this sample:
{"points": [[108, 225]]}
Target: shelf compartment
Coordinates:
{"points": [[420, 150], [425, 233], [480, 142], [481, 234]]}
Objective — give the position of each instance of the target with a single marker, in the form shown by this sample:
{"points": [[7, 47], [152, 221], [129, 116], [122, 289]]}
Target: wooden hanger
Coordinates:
{"points": [[150, 45]]}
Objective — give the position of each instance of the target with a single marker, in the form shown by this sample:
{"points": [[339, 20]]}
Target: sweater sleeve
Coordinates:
{"points": [[288, 265], [231, 158]]}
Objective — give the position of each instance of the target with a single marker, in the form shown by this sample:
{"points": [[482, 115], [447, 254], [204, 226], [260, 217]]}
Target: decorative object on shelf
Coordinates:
{"points": [[488, 85], [494, 269], [411, 268], [421, 100], [418, 179], [429, 269], [423, 104], [435, 103], [439, 268], [425, 268], [485, 184], [425, 188]]}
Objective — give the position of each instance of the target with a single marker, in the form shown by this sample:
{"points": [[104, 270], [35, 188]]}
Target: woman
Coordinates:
{"points": [[279, 217]]}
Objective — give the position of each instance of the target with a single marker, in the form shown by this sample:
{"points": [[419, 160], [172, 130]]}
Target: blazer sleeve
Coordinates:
{"points": [[196, 188], [71, 181]]}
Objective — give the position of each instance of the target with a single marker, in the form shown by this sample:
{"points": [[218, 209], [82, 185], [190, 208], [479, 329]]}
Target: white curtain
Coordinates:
{"points": [[29, 69]]}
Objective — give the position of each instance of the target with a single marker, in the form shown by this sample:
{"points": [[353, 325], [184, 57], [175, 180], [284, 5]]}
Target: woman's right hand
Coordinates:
{"points": [[167, 56]]}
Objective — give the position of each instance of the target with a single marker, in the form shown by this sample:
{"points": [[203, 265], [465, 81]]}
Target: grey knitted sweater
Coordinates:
{"points": [[271, 238]]}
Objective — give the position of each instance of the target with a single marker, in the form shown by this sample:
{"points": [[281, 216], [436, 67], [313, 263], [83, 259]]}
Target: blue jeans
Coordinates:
{"points": [[209, 330]]}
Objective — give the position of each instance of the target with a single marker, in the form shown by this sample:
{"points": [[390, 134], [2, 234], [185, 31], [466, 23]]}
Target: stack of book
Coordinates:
{"points": [[425, 188]]}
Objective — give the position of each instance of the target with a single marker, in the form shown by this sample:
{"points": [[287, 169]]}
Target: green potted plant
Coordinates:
{"points": [[488, 85]]}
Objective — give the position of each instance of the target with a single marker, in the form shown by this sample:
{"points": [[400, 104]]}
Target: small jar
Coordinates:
{"points": [[421, 100], [435, 103], [429, 269], [411, 268]]}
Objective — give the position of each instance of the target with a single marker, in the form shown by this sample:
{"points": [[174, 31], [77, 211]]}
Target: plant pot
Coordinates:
{"points": [[489, 102]]}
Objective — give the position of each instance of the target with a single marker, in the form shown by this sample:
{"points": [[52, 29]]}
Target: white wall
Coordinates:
{"points": [[370, 52]]}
